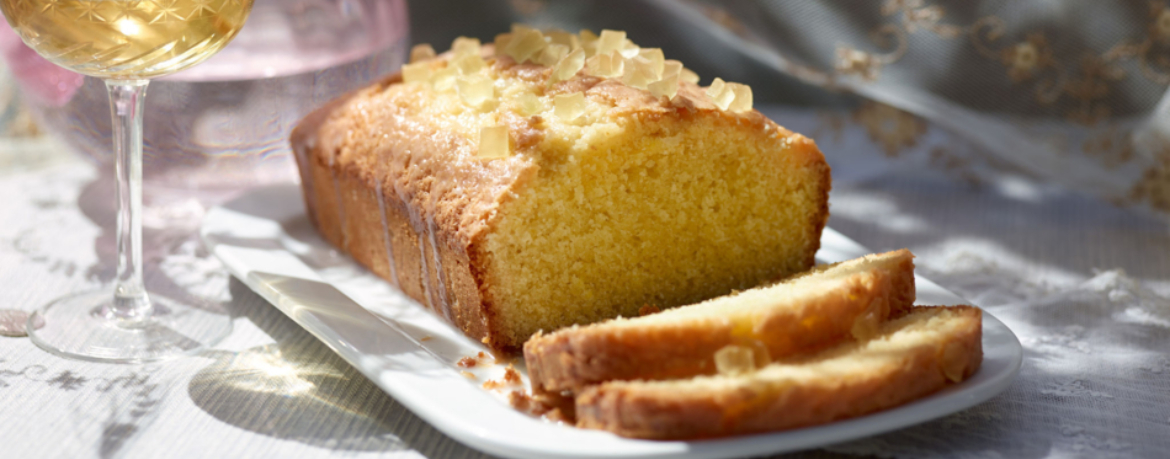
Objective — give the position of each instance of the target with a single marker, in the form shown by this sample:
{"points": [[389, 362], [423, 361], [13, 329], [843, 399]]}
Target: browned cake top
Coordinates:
{"points": [[455, 134]]}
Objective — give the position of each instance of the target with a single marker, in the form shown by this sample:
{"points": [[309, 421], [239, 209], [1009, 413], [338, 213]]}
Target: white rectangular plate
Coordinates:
{"points": [[267, 242]]}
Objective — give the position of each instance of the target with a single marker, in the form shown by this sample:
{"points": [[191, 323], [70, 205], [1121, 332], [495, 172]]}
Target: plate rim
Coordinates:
{"points": [[951, 400]]}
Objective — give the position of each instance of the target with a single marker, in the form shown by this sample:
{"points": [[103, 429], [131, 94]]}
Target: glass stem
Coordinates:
{"points": [[126, 102]]}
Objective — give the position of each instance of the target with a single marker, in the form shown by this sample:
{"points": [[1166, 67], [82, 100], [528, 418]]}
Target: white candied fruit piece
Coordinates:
{"points": [[743, 97], [610, 41], [667, 86], [528, 104], [689, 76], [475, 90], [562, 37], [733, 359], [444, 78], [418, 72], [501, 43], [720, 94], [525, 45], [421, 52], [551, 54], [494, 142], [656, 58], [464, 46], [568, 66], [569, 107]]}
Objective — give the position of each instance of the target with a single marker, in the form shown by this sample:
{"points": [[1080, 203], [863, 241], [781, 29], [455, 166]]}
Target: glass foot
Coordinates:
{"points": [[78, 326]]}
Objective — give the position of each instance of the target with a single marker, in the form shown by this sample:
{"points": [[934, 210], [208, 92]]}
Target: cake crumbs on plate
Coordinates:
{"points": [[467, 362]]}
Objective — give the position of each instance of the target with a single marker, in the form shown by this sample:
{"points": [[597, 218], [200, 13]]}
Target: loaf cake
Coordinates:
{"points": [[811, 311], [912, 356], [551, 179]]}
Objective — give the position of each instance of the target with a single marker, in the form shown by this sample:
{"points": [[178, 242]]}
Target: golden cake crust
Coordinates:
{"points": [[733, 405], [407, 197], [573, 358]]}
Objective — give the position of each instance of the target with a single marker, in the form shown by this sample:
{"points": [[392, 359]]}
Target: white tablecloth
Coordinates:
{"points": [[1083, 284]]}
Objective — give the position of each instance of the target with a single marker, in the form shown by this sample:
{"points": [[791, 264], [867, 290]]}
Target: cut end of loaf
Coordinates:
{"points": [[664, 211]]}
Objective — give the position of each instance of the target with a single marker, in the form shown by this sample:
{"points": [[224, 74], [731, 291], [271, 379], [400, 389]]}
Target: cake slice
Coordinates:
{"points": [[802, 314], [911, 357]]}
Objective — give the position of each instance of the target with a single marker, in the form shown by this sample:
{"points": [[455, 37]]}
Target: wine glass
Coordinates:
{"points": [[126, 42]]}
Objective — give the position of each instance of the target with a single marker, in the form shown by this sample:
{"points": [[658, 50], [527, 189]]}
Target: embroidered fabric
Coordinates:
{"points": [[1072, 93]]}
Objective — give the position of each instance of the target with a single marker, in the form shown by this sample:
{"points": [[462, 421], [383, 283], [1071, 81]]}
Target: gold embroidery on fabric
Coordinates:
{"points": [[1154, 186], [1112, 146], [894, 129]]}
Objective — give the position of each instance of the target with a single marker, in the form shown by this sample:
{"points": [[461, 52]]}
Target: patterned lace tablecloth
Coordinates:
{"points": [[1083, 284]]}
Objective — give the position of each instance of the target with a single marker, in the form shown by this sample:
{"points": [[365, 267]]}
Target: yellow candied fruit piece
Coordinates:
{"points": [[629, 49], [569, 107], [639, 72], [418, 72], [671, 67], [656, 58], [868, 323], [494, 142], [501, 43], [610, 41], [562, 37], [525, 45], [667, 86], [469, 63], [733, 359], [689, 76], [743, 98], [528, 104], [464, 46], [720, 94], [588, 41], [444, 78], [568, 66], [421, 52], [475, 90], [606, 65], [551, 54], [953, 361]]}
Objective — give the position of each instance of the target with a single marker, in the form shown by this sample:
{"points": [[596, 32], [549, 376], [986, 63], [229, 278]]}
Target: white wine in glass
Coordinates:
{"points": [[126, 42]]}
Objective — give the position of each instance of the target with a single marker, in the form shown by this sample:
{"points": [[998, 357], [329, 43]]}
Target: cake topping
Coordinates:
{"points": [[610, 41], [606, 65], [464, 46], [568, 66], [528, 104], [525, 44], [569, 107], [421, 53], [609, 55], [475, 89], [730, 96], [493, 142], [418, 72]]}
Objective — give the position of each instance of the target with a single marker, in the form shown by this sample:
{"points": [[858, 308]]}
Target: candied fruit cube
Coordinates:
{"points": [[494, 142], [569, 107], [421, 52]]}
